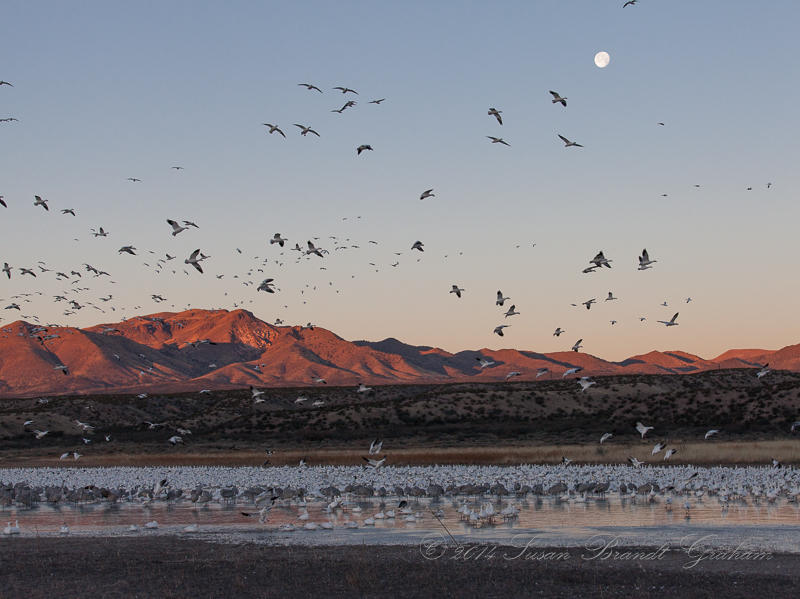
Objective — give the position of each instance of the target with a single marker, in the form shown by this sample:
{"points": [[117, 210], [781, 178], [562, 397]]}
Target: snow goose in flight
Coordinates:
{"points": [[375, 447], [669, 453], [319, 380], [7, 269], [40, 202], [62, 368], [310, 87], [496, 114], [569, 143], [589, 269], [589, 303], [101, 233], [266, 285], [278, 239], [634, 462], [645, 261], [499, 330], [40, 434], [542, 371], [175, 440], [500, 299], [512, 374], [484, 362], [363, 147], [585, 383], [176, 228], [577, 345], [375, 463], [558, 99], [306, 130], [605, 437], [795, 425], [671, 322], [659, 447], [643, 429], [68, 211], [301, 400], [610, 297], [558, 332], [255, 392], [575, 370], [318, 404], [711, 433], [346, 89], [764, 371], [195, 261], [273, 128], [456, 290], [511, 312], [600, 260], [427, 194], [498, 140], [362, 388], [418, 246], [128, 249], [2, 201]]}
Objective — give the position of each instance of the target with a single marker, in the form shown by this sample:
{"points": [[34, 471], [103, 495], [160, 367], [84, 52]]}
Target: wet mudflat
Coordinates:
{"points": [[168, 567]]}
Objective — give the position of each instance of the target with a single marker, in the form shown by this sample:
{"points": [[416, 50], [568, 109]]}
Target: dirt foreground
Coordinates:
{"points": [[170, 567]]}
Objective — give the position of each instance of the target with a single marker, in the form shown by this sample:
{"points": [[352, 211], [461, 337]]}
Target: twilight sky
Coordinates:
{"points": [[106, 91]]}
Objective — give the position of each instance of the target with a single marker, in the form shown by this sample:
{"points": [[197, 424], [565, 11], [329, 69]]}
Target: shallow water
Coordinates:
{"points": [[535, 513]]}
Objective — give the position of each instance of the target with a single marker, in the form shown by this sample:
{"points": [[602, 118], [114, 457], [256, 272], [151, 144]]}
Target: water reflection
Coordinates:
{"points": [[535, 512]]}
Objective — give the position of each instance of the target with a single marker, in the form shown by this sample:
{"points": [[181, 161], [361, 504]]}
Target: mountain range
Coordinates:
{"points": [[216, 349]]}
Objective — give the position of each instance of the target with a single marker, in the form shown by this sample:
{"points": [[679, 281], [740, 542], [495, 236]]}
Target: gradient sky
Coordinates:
{"points": [[105, 91]]}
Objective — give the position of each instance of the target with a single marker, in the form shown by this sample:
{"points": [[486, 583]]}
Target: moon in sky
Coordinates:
{"points": [[602, 59]]}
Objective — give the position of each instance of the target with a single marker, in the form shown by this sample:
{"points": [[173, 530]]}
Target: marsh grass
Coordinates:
{"points": [[708, 453]]}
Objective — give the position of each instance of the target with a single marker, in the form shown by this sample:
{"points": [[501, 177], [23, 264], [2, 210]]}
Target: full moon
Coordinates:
{"points": [[602, 59]]}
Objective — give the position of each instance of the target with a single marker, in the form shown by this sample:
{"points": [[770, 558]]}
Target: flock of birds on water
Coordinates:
{"points": [[322, 494]]}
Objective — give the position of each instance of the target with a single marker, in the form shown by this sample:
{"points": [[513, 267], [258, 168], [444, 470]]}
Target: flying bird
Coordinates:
{"points": [[500, 299], [585, 383], [376, 101], [363, 147], [375, 463], [306, 130], [375, 447], [575, 370], [484, 362], [314, 250], [278, 239], [711, 433], [40, 202], [643, 429], [427, 194], [645, 261], [310, 87], [764, 371], [610, 296], [605, 437], [499, 330], [671, 322], [455, 290], [569, 143], [68, 211], [511, 312], [274, 128], [558, 99], [266, 285], [176, 228], [577, 345], [558, 332], [498, 140], [134, 179], [496, 114], [195, 261], [417, 246], [634, 462], [346, 89], [600, 260]]}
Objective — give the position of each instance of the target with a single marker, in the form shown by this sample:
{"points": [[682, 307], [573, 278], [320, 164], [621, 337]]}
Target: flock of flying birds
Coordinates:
{"points": [[310, 250]]}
